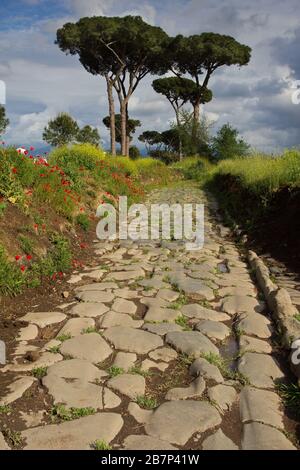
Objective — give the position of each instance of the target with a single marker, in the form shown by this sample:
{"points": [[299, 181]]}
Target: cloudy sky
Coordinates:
{"points": [[41, 81]]}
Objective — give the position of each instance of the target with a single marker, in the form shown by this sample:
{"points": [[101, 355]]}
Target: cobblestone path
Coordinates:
{"points": [[158, 348]]}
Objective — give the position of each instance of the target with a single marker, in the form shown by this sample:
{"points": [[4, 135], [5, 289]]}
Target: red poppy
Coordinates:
{"points": [[29, 257], [23, 268], [14, 170], [32, 149], [17, 257]]}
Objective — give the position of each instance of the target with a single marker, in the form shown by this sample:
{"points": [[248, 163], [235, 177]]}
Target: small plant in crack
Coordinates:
{"points": [[137, 370], [183, 322], [90, 329], [5, 409], [39, 372], [146, 402], [13, 437], [68, 414], [54, 349], [64, 337], [114, 371], [100, 445], [290, 393], [223, 366]]}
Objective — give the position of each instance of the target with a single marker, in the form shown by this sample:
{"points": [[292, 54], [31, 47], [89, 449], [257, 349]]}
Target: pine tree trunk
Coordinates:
{"points": [[180, 139], [112, 116], [123, 128]]}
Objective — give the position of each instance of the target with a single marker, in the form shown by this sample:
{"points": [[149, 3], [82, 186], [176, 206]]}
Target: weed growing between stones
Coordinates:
{"points": [[114, 371], [147, 403], [5, 409], [100, 445], [62, 413], [39, 372]]}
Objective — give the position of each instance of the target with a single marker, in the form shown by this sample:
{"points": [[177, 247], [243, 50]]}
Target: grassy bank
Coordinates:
{"points": [[47, 208]]}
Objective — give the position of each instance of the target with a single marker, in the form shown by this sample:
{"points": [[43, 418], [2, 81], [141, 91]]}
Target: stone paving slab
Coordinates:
{"points": [[74, 435]]}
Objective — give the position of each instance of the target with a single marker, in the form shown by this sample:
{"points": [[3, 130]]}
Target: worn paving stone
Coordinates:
{"points": [[154, 283], [132, 340], [43, 319], [140, 415], [262, 406], [218, 441], [76, 326], [126, 293], [89, 309], [163, 354], [75, 393], [192, 343], [249, 344], [202, 313], [214, 330], [74, 279], [257, 436], [28, 333], [196, 389], [111, 319], [155, 314], [168, 295], [96, 274], [193, 286], [129, 385], [46, 359], [76, 369], [261, 369], [255, 324], [3, 443], [95, 286], [74, 435], [125, 360], [95, 296], [241, 304], [177, 421], [201, 367], [17, 389], [125, 275], [91, 347], [161, 329], [238, 291], [23, 348], [224, 396], [136, 442], [124, 306]]}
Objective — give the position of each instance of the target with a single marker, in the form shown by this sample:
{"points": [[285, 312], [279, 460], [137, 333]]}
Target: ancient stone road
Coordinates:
{"points": [[164, 348]]}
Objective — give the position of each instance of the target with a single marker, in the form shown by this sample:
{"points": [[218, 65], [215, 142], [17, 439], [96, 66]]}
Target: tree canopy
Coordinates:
{"points": [[61, 130], [89, 135], [227, 143]]}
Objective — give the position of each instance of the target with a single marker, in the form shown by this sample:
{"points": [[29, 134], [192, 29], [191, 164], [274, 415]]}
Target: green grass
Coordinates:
{"points": [[55, 349], [146, 402], [183, 322], [100, 445], [89, 330], [68, 414], [64, 337], [297, 316], [223, 366], [290, 393], [39, 372], [5, 409], [14, 437], [114, 371], [83, 221], [136, 370]]}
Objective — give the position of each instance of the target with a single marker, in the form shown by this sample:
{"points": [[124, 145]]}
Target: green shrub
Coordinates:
{"points": [[134, 153]]}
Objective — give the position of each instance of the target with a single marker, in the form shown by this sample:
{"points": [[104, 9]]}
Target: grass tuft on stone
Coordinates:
{"points": [[39, 372], [64, 337], [147, 403], [100, 445], [114, 371], [69, 414], [5, 409]]}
